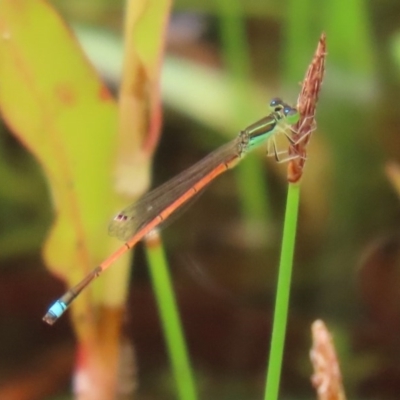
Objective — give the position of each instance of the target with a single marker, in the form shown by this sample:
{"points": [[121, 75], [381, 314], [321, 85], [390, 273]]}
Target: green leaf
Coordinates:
{"points": [[52, 99]]}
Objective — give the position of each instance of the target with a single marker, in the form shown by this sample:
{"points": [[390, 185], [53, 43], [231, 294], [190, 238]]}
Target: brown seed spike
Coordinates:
{"points": [[327, 378], [306, 105]]}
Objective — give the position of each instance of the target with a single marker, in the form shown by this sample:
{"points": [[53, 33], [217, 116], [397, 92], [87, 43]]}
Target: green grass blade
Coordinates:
{"points": [[169, 315], [253, 193], [283, 293]]}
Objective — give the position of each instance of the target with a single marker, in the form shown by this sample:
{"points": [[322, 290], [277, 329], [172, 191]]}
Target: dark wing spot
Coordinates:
{"points": [[120, 218]]}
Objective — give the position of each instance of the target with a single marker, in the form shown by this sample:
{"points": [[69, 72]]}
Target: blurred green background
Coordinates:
{"points": [[224, 251]]}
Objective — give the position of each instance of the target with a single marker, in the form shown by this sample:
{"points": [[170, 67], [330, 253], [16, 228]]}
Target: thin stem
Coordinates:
{"points": [[169, 315], [283, 293], [254, 199]]}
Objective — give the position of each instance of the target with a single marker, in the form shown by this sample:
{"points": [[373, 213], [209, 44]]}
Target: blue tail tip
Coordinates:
{"points": [[55, 312]]}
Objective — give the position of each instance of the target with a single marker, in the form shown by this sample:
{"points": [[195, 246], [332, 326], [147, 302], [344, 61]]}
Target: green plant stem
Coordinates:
{"points": [[283, 293], [169, 315], [253, 196]]}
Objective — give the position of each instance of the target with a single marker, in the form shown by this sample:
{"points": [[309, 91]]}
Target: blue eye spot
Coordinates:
{"points": [[275, 102]]}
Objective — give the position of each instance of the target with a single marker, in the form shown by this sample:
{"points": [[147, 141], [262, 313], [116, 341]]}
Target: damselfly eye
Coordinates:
{"points": [[291, 114], [287, 110], [276, 104]]}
